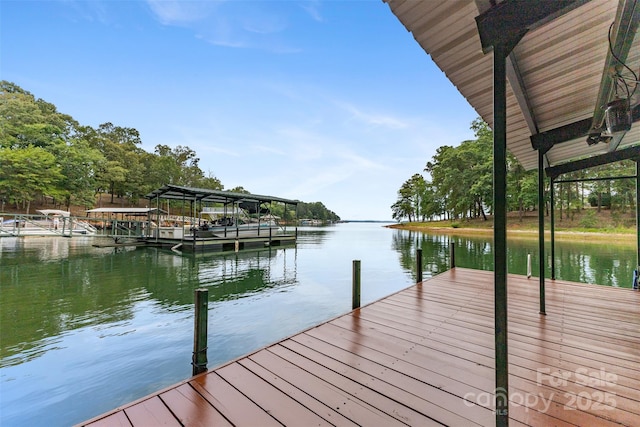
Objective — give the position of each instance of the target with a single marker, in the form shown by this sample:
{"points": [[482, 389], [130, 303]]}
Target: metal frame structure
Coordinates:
{"points": [[551, 78]]}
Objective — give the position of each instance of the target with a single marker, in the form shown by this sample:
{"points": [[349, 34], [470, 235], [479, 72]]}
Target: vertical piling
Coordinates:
{"points": [[452, 255], [528, 265], [199, 359], [418, 265], [356, 285]]}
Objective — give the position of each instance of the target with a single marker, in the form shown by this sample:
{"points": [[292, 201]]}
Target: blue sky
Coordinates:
{"points": [[330, 101]]}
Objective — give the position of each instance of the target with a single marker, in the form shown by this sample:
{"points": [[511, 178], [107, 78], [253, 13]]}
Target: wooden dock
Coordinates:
{"points": [[425, 357]]}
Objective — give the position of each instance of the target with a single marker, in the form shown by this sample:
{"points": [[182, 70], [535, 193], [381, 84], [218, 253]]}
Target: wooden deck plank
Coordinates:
{"points": [[362, 404], [313, 403], [232, 404], [191, 409], [151, 412], [282, 407], [424, 356], [117, 419], [406, 390]]}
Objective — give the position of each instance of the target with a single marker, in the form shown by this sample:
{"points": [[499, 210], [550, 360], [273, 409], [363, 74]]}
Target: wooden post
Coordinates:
{"points": [[452, 255], [356, 285], [528, 266], [199, 359], [419, 265]]}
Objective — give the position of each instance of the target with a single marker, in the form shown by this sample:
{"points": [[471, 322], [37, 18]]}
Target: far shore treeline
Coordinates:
{"points": [[461, 186], [48, 156]]}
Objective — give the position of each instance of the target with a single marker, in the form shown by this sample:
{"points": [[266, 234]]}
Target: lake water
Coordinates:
{"points": [[85, 329]]}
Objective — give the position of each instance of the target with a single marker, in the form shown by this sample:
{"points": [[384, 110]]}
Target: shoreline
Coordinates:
{"points": [[559, 235]]}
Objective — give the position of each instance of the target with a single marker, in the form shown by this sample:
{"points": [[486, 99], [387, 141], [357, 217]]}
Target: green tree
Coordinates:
{"points": [[412, 200], [26, 173], [26, 121], [79, 165]]}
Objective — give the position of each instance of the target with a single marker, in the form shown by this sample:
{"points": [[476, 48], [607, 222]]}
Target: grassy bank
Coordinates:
{"points": [[587, 224]]}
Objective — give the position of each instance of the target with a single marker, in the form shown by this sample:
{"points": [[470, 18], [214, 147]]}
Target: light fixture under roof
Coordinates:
{"points": [[618, 116]]}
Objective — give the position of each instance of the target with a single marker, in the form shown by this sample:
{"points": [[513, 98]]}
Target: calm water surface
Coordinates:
{"points": [[85, 329]]}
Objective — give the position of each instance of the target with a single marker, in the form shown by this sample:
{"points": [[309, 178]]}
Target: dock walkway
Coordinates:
{"points": [[424, 357]]}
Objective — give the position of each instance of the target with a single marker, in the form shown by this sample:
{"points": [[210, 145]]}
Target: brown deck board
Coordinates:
{"points": [[424, 356], [232, 404], [191, 408], [118, 419], [281, 406], [151, 412]]}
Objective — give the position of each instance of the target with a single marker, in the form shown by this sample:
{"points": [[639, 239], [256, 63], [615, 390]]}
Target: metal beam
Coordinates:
{"points": [[547, 139], [517, 86], [604, 178], [514, 77], [506, 23], [602, 159], [627, 19]]}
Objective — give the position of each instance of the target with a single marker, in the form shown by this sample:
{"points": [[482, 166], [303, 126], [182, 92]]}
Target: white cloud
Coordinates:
{"points": [[373, 119], [313, 9], [173, 12], [228, 24]]}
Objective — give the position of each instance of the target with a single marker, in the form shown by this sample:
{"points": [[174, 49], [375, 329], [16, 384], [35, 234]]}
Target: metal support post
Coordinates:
{"points": [[553, 229], [541, 228], [637, 282], [500, 232]]}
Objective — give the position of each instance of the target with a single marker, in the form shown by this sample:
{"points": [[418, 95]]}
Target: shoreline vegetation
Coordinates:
{"points": [[619, 225]]}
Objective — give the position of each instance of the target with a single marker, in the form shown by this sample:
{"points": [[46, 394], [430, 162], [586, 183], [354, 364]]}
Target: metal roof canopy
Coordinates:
{"points": [[126, 211], [176, 192], [559, 74]]}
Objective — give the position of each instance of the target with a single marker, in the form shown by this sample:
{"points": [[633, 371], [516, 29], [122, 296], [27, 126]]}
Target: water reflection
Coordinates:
{"points": [[578, 261], [45, 299]]}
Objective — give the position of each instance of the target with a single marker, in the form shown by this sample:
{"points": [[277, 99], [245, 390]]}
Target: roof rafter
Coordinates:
{"points": [[507, 22], [546, 140], [603, 159]]}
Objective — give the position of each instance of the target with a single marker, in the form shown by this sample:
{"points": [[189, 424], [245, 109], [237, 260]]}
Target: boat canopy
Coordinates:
{"points": [[126, 211], [176, 192], [54, 212]]}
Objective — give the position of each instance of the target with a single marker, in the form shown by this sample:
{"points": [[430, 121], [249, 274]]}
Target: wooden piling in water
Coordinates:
{"points": [[356, 285], [452, 255], [199, 359], [418, 265]]}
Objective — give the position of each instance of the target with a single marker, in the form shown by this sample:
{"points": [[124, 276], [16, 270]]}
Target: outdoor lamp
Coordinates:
{"points": [[618, 116]]}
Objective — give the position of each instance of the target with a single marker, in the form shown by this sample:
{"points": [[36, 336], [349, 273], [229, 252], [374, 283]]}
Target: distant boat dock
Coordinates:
{"points": [[201, 220]]}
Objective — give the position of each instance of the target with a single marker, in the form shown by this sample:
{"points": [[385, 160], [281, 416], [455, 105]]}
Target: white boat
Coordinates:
{"points": [[219, 223]]}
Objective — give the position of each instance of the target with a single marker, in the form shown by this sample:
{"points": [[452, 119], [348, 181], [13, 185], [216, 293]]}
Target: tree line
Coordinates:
{"points": [[461, 185], [45, 154]]}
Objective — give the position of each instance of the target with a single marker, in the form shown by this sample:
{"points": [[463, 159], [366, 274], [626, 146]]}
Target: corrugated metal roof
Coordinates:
{"points": [[177, 192], [561, 65]]}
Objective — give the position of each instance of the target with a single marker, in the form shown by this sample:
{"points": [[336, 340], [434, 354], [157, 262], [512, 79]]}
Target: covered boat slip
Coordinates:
{"points": [[212, 220], [557, 81], [425, 356]]}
